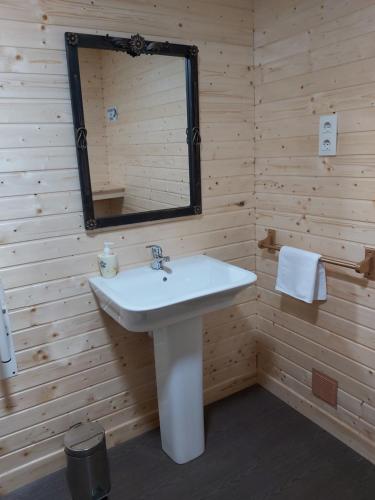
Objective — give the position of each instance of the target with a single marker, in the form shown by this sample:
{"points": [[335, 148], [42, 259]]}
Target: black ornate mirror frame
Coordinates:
{"points": [[134, 46]]}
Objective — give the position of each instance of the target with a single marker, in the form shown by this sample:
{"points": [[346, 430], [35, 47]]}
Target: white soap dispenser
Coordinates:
{"points": [[108, 262]]}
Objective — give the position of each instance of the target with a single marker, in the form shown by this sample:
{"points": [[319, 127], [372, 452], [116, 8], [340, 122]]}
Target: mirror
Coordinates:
{"points": [[136, 128]]}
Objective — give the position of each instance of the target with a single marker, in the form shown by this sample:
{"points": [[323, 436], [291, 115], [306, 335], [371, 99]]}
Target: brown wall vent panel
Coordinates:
{"points": [[324, 387]]}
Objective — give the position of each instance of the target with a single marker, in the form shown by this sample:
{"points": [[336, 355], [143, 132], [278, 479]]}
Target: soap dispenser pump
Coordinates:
{"points": [[108, 262]]}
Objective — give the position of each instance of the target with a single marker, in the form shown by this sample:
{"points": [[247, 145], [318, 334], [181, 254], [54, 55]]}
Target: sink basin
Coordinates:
{"points": [[170, 304], [143, 299]]}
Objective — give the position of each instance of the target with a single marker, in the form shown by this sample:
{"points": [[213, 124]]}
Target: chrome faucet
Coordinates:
{"points": [[157, 254]]}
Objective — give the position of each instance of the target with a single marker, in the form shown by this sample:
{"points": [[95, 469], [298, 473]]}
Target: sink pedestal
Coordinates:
{"points": [[179, 377]]}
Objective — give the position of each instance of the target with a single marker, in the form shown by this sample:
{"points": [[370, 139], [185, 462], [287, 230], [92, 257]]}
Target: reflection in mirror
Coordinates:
{"points": [[136, 118]]}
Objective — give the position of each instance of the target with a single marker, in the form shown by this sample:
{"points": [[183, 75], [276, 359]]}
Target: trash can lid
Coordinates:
{"points": [[82, 439]]}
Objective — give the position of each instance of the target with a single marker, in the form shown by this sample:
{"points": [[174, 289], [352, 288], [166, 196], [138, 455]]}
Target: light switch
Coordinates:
{"points": [[328, 135]]}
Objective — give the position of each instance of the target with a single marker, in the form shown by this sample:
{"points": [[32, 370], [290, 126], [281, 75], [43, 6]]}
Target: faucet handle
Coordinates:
{"points": [[156, 250]]}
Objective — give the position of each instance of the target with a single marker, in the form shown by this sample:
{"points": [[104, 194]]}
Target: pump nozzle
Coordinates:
{"points": [[107, 248]]}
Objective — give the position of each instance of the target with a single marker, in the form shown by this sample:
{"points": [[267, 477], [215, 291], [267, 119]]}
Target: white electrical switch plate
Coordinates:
{"points": [[112, 114], [328, 135]]}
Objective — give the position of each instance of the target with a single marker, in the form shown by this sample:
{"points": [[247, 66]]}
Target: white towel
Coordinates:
{"points": [[301, 275]]}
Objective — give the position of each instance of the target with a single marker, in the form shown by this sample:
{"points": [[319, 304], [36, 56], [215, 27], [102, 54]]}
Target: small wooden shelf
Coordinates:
{"points": [[107, 193]]}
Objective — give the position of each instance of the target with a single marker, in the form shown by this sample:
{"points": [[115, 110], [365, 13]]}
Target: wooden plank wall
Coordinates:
{"points": [[316, 58], [74, 362], [147, 148], [91, 71]]}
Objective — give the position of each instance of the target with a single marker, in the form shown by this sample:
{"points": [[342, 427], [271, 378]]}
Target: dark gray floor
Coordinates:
{"points": [[258, 448]]}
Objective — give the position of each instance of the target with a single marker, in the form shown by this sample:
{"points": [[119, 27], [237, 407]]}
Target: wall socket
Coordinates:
{"points": [[328, 135], [112, 114]]}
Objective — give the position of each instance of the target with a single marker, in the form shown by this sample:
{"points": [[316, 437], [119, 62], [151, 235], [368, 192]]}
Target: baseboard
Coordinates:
{"points": [[314, 412], [53, 462], [227, 388]]}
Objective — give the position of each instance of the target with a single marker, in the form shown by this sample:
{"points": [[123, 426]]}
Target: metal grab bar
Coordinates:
{"points": [[8, 364]]}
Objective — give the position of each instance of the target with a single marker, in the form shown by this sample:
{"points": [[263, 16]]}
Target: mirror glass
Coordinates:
{"points": [[136, 118]]}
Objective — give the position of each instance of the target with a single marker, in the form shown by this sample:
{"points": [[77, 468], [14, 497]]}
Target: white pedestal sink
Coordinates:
{"points": [[171, 306]]}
